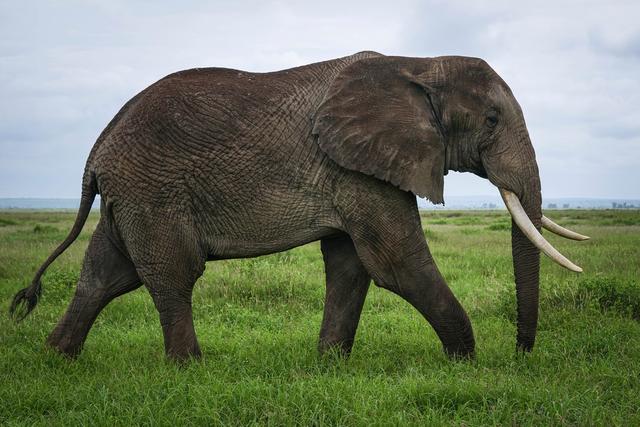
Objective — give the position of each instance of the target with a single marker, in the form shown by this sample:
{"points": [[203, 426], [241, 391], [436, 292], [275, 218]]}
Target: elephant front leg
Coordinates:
{"points": [[347, 285], [427, 291], [392, 247], [415, 278]]}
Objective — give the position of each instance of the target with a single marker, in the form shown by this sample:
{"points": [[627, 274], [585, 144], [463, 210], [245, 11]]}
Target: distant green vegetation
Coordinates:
{"points": [[258, 319]]}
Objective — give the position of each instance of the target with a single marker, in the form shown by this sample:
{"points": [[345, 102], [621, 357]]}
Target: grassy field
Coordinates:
{"points": [[257, 321]]}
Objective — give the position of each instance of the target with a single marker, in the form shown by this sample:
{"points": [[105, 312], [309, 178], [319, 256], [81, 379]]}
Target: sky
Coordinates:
{"points": [[66, 68]]}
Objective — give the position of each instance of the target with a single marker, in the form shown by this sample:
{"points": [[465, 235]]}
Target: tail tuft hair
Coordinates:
{"points": [[25, 301]]}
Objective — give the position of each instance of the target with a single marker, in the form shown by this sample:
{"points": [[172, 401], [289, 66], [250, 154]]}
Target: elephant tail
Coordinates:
{"points": [[26, 299]]}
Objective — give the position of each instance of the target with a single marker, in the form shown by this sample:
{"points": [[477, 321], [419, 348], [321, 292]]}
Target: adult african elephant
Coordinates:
{"points": [[210, 164]]}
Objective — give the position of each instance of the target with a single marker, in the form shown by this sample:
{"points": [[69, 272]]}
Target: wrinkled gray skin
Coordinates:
{"points": [[210, 164]]}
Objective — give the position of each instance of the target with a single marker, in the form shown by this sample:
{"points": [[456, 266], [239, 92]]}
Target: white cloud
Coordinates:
{"points": [[67, 67]]}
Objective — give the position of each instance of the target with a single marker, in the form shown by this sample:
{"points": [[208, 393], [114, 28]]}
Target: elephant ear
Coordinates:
{"points": [[381, 117]]}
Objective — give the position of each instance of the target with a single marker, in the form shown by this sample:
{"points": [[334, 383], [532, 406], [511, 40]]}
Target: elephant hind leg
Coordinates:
{"points": [[106, 274], [347, 286], [169, 262], [172, 299]]}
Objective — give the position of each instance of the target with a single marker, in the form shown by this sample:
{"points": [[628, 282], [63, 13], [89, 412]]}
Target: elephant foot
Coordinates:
{"points": [[70, 333], [460, 354], [464, 347], [339, 348], [180, 342], [525, 344], [67, 346], [183, 354]]}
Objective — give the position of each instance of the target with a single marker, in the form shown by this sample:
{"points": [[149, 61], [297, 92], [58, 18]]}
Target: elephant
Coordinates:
{"points": [[211, 163]]}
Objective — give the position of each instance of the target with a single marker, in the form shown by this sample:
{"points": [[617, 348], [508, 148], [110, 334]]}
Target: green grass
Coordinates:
{"points": [[257, 322]]}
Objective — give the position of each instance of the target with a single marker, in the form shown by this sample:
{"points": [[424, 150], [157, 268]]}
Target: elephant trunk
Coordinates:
{"points": [[527, 242], [526, 266], [518, 180]]}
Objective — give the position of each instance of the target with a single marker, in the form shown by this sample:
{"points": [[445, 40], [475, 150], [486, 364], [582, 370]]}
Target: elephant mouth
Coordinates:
{"points": [[523, 222]]}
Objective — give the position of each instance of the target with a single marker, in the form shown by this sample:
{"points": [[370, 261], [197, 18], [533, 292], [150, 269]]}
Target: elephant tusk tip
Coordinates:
{"points": [[523, 222], [570, 266], [561, 231]]}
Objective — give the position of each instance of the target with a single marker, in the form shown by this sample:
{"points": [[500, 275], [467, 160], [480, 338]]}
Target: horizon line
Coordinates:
{"points": [[497, 196]]}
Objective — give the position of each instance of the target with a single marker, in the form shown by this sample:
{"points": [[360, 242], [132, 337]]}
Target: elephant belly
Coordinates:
{"points": [[227, 247], [267, 210]]}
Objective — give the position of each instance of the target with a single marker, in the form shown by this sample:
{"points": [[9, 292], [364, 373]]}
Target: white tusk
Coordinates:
{"points": [[561, 231], [524, 223]]}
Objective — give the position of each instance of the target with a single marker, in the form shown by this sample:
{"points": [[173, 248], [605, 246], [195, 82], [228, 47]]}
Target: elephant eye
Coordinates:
{"points": [[492, 119]]}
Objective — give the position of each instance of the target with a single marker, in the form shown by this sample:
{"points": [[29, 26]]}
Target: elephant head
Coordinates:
{"points": [[409, 121]]}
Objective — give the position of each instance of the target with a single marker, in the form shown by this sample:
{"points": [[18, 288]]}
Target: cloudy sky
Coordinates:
{"points": [[66, 67]]}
